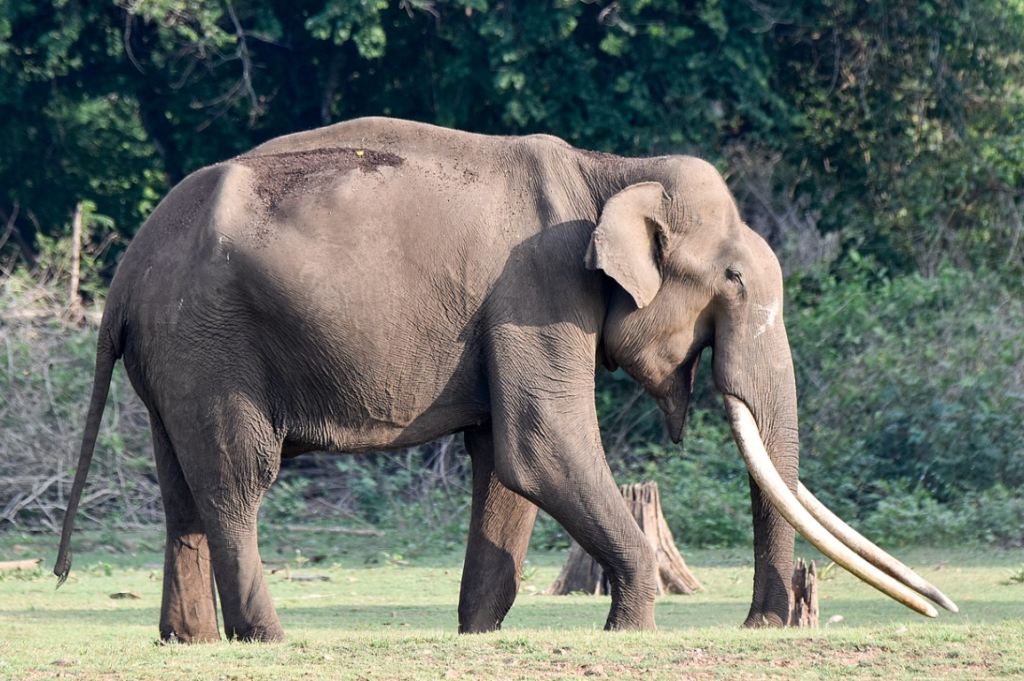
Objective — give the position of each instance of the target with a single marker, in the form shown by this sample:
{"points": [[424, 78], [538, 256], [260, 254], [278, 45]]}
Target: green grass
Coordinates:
{"points": [[377, 619]]}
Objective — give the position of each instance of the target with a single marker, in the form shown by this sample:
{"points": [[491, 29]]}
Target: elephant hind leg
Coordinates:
{"points": [[188, 612], [499, 534], [231, 460], [249, 612]]}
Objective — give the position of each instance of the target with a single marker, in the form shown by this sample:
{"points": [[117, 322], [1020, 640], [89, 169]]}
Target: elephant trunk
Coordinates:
{"points": [[774, 537]]}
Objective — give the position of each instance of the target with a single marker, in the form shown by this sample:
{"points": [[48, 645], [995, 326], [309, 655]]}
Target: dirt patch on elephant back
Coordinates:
{"points": [[293, 172], [304, 172]]}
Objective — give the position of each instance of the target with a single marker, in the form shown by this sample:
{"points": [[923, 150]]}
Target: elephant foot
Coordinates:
{"points": [[633, 609], [479, 628], [257, 634], [623, 624], [763, 621], [769, 607], [173, 636], [633, 619], [770, 611], [482, 618]]}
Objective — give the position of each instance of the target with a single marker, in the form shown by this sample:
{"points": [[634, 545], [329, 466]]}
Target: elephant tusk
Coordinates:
{"points": [[867, 550], [763, 471]]}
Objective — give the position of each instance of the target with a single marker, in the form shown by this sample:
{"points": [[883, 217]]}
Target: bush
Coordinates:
{"points": [[910, 515], [918, 379], [45, 382], [911, 403], [993, 517]]}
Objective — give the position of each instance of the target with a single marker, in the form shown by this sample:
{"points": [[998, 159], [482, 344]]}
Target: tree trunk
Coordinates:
{"points": [[805, 596], [583, 573]]}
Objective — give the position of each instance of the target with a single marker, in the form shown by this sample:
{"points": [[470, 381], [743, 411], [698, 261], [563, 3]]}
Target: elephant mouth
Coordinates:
{"points": [[676, 401], [823, 529]]}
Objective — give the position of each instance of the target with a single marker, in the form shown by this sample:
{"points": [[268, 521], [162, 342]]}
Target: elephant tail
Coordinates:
{"points": [[107, 354]]}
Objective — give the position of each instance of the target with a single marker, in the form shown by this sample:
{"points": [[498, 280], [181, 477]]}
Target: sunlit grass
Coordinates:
{"points": [[376, 618]]}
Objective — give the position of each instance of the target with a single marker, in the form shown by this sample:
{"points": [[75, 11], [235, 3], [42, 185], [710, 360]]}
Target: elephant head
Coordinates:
{"points": [[692, 276]]}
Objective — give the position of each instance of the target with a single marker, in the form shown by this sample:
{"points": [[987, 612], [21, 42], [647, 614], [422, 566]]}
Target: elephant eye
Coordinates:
{"points": [[733, 274]]}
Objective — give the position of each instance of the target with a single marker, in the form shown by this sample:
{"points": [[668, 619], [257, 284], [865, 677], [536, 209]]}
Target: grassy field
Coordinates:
{"points": [[382, 615]]}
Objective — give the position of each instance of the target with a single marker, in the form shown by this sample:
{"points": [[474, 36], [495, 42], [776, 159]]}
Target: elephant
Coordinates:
{"points": [[379, 283]]}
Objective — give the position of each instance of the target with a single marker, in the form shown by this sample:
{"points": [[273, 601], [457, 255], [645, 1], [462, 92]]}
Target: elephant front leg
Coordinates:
{"points": [[548, 449], [773, 564], [588, 504], [596, 516], [499, 534]]}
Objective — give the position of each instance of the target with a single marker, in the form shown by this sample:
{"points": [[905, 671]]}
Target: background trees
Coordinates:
{"points": [[897, 124], [877, 144]]}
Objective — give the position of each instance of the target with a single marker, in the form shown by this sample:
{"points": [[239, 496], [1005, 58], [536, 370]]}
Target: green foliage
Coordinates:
{"points": [[421, 493], [55, 254], [71, 131], [287, 502], [904, 108], [906, 515], [896, 124], [915, 379], [910, 516], [911, 427]]}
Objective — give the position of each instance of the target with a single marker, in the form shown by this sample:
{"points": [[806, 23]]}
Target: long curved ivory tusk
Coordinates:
{"points": [[869, 551], [748, 439]]}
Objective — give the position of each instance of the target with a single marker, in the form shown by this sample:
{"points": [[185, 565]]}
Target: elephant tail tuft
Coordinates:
{"points": [[107, 353]]}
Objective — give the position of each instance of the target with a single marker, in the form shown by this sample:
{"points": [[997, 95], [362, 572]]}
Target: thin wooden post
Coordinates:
{"points": [[75, 309]]}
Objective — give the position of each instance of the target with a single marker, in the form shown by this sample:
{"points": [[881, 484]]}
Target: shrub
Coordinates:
{"points": [[918, 379], [45, 382], [911, 404]]}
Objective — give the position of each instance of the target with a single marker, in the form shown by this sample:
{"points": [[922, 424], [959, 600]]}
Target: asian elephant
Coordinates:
{"points": [[379, 283]]}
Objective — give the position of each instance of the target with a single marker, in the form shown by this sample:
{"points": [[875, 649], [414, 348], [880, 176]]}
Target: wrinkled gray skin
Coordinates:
{"points": [[377, 284]]}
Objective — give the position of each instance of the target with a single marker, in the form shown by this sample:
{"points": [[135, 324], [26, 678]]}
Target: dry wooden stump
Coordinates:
{"points": [[805, 596], [583, 573]]}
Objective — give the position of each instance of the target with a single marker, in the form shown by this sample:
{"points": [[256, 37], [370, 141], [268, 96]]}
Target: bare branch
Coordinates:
{"points": [[129, 18], [10, 224], [255, 109]]}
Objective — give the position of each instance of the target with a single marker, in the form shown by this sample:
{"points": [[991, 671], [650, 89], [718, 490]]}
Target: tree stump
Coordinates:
{"points": [[805, 596], [583, 573]]}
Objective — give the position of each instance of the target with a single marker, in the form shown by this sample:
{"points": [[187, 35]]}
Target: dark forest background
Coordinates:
{"points": [[878, 146]]}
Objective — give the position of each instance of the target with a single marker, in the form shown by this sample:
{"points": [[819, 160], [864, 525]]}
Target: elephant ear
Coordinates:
{"points": [[627, 243]]}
